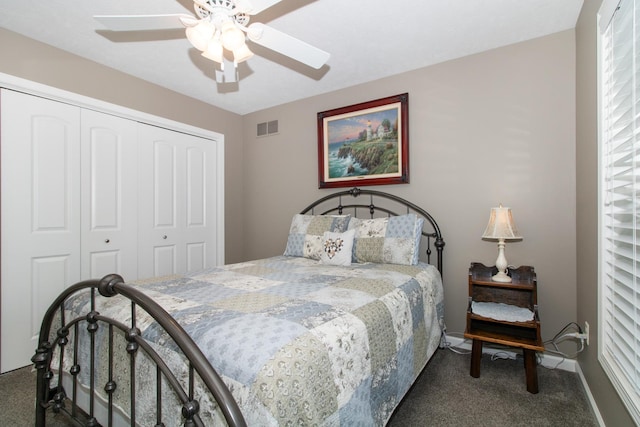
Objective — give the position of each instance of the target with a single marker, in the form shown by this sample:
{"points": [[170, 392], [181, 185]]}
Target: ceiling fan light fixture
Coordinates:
{"points": [[214, 51], [200, 35], [232, 37], [242, 54], [220, 29]]}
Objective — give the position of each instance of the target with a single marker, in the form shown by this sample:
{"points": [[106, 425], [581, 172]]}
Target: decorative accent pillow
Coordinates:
{"points": [[337, 247], [389, 240], [306, 231]]}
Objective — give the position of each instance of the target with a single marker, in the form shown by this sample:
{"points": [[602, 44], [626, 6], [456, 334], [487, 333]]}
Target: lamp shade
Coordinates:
{"points": [[232, 37], [242, 54], [501, 225], [214, 51], [200, 35]]}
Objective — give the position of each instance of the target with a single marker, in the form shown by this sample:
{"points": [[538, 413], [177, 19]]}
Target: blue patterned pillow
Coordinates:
{"points": [[306, 231], [389, 240]]}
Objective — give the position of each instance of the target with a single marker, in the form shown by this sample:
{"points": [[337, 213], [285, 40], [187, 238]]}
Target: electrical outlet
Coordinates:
{"points": [[586, 331]]}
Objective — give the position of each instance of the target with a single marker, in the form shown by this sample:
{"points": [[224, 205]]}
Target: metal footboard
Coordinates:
{"points": [[51, 392]]}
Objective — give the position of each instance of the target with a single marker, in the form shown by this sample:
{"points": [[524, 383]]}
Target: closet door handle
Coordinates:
{"points": [[107, 240], [164, 237]]}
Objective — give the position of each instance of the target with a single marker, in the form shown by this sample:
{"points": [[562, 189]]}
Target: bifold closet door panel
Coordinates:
{"points": [[109, 196], [40, 202], [177, 202], [199, 223]]}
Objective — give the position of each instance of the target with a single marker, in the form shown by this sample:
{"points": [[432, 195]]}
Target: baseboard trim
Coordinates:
{"points": [[592, 401]]}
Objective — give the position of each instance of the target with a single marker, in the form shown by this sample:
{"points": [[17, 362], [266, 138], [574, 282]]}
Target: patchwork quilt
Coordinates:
{"points": [[299, 342]]}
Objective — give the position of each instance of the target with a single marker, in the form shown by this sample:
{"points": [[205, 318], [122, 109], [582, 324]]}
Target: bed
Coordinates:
{"points": [[333, 332]]}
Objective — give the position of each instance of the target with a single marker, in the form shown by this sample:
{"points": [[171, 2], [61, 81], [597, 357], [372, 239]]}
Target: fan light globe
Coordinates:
{"points": [[242, 54], [200, 35], [214, 51], [232, 37]]}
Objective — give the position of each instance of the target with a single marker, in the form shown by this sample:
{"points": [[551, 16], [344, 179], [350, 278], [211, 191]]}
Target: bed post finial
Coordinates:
{"points": [[105, 287], [355, 191]]}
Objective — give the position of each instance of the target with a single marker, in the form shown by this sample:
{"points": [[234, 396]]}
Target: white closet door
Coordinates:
{"points": [[177, 202], [40, 190], [109, 196]]}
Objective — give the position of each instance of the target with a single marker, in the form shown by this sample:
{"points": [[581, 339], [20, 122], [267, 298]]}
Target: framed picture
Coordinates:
{"points": [[364, 144]]}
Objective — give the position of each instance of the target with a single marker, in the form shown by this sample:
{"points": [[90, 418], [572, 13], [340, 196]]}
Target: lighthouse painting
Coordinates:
{"points": [[364, 144]]}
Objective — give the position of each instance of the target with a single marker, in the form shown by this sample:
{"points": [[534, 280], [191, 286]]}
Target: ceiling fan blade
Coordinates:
{"points": [[142, 22], [285, 44], [253, 7]]}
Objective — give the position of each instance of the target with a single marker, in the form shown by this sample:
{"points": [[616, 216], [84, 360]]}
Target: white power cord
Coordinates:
{"points": [[564, 335], [444, 343]]}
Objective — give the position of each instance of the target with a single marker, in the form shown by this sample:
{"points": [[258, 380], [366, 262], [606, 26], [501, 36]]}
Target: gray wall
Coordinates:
{"points": [[38, 62], [609, 404], [497, 127]]}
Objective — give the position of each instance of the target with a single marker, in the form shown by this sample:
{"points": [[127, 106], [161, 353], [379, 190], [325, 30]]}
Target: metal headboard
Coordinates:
{"points": [[346, 203]]}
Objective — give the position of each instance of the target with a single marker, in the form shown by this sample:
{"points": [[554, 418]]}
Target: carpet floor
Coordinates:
{"points": [[444, 395]]}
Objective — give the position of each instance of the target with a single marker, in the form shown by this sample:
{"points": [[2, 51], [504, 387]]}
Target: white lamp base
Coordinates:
{"points": [[501, 264], [501, 277]]}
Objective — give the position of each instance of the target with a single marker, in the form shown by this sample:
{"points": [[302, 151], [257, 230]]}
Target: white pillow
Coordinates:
{"points": [[337, 247]]}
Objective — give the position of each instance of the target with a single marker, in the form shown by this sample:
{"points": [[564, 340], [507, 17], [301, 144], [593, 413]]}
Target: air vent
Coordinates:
{"points": [[267, 128]]}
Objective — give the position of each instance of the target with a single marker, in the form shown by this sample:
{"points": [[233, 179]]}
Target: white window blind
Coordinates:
{"points": [[619, 350]]}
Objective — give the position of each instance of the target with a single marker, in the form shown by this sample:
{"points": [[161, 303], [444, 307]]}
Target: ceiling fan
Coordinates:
{"points": [[221, 26]]}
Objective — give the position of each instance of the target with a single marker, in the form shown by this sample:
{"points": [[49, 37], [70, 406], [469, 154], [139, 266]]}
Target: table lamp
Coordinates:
{"points": [[501, 227]]}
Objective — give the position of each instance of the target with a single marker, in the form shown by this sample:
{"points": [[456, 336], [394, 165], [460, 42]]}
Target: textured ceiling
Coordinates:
{"points": [[367, 40]]}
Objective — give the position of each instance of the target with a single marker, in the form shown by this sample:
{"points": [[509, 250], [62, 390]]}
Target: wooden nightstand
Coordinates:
{"points": [[520, 293]]}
